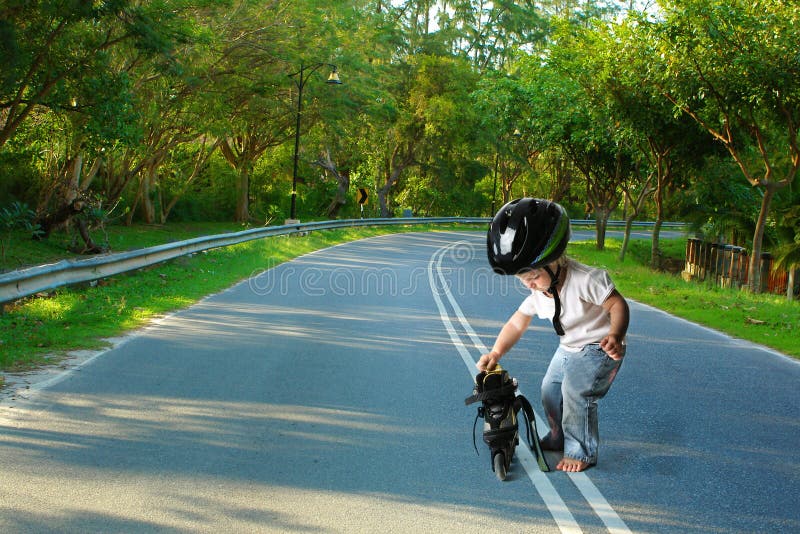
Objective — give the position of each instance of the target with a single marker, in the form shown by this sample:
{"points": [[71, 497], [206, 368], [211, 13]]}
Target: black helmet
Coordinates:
{"points": [[526, 234]]}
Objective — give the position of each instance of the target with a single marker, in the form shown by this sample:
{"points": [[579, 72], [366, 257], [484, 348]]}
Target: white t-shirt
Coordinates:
{"points": [[582, 315]]}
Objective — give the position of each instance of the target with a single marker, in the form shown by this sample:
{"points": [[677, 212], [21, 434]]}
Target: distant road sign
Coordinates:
{"points": [[362, 195]]}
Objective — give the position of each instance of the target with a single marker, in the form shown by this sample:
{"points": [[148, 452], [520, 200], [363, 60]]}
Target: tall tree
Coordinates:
{"points": [[427, 126], [670, 145], [64, 63], [566, 114], [247, 85], [56, 53], [731, 65], [512, 147]]}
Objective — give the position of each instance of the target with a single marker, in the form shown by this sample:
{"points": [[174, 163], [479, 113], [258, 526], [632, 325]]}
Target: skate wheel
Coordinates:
{"points": [[499, 461]]}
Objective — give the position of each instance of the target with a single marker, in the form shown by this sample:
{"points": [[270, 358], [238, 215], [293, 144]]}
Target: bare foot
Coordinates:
{"points": [[572, 465]]}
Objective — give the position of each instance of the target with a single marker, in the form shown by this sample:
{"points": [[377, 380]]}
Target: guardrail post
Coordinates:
{"points": [[692, 267], [714, 262], [727, 265], [738, 266]]}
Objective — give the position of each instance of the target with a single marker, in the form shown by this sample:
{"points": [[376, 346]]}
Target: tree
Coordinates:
{"points": [[568, 114], [174, 116], [787, 255], [56, 54], [431, 126], [731, 65], [501, 104], [248, 92], [670, 145], [342, 179], [65, 68]]}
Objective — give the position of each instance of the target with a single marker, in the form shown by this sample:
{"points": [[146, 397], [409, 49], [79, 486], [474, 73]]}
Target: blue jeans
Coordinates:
{"points": [[571, 387]]}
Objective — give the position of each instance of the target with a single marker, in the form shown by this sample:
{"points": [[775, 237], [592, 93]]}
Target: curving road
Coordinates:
{"points": [[326, 395]]}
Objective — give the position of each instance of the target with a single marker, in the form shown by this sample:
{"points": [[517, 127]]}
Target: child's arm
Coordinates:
{"points": [[619, 314], [507, 338]]}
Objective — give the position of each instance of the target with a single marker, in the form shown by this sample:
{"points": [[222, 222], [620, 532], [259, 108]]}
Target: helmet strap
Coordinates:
{"points": [[553, 290]]}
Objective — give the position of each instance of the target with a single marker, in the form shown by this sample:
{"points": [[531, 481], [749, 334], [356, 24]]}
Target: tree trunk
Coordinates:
{"points": [[754, 267], [627, 237], [658, 198], [69, 191], [393, 172], [243, 195], [635, 208], [342, 187], [383, 193], [136, 200], [90, 246], [506, 190], [600, 226], [656, 256], [147, 191], [342, 183]]}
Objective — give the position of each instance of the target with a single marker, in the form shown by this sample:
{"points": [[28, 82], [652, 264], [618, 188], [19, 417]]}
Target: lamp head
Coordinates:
{"points": [[333, 77]]}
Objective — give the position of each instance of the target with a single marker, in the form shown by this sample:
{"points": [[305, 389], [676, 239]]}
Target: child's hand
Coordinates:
{"points": [[613, 346], [487, 362]]}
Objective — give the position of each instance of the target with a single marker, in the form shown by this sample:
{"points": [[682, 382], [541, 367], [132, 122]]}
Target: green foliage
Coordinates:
{"points": [[137, 89], [787, 253], [211, 196], [17, 216], [720, 208], [114, 117], [733, 66], [19, 175]]}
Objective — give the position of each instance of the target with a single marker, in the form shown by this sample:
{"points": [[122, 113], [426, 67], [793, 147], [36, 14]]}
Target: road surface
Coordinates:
{"points": [[326, 395]]}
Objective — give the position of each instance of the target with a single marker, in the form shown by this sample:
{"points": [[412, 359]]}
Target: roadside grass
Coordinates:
{"points": [[41, 330]]}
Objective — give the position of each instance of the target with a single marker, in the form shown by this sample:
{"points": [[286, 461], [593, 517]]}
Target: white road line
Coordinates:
{"points": [[558, 508], [599, 504]]}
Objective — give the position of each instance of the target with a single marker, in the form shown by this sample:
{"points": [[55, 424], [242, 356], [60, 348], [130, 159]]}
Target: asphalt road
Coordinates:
{"points": [[326, 395]]}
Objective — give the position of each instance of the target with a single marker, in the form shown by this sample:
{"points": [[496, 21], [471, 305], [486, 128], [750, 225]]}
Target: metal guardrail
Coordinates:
{"points": [[621, 224], [25, 282]]}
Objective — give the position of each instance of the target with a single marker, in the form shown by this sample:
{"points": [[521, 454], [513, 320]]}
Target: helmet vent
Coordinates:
{"points": [[507, 241]]}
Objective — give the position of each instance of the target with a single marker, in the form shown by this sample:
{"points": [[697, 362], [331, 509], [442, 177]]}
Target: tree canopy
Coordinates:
{"points": [[189, 109]]}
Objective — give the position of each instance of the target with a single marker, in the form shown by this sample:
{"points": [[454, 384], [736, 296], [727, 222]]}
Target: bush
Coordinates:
{"points": [[15, 217]]}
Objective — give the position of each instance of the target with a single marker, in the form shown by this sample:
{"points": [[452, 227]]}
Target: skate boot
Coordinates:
{"points": [[500, 406], [496, 391]]}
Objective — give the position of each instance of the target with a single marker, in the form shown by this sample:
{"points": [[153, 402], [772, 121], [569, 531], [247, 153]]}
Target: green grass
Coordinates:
{"points": [[37, 331]]}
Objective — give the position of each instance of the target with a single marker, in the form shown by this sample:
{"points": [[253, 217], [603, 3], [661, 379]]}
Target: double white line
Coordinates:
{"points": [[555, 504]]}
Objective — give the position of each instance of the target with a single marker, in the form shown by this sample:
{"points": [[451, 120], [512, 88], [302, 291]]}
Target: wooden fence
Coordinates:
{"points": [[727, 266]]}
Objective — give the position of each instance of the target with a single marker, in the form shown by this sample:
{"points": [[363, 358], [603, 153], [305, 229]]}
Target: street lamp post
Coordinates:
{"points": [[300, 78]]}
